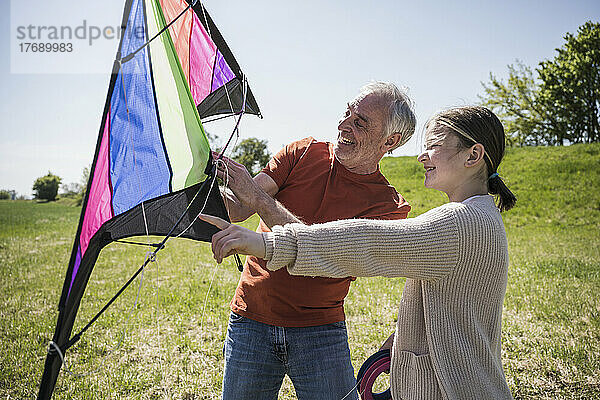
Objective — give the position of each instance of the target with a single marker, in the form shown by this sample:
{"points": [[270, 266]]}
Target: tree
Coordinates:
{"points": [[6, 194], [516, 104], [253, 153], [76, 190], [560, 105], [46, 187], [571, 85]]}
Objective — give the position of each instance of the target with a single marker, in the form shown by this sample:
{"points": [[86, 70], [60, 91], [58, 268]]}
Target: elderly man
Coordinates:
{"points": [[282, 324]]}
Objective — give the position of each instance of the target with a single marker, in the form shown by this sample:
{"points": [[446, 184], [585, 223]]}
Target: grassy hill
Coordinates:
{"points": [[174, 332]]}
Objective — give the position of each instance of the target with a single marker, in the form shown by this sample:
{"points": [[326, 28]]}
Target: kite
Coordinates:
{"points": [[152, 171]]}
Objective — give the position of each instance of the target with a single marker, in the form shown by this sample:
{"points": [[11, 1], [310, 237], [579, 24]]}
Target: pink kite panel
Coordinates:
{"points": [[202, 61], [99, 207]]}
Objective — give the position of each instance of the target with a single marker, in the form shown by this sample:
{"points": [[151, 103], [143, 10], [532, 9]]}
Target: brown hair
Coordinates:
{"points": [[475, 124]]}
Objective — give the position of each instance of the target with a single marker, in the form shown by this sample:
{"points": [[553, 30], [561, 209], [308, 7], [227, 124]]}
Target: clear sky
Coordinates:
{"points": [[304, 60]]}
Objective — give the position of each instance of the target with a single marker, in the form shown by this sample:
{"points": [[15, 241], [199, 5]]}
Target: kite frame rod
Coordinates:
{"points": [[220, 117], [128, 57], [137, 243]]}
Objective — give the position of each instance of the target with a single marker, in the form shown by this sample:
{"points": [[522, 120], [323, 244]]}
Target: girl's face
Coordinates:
{"points": [[444, 162]]}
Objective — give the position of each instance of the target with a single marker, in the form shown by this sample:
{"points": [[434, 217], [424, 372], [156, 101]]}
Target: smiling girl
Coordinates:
{"points": [[455, 258]]}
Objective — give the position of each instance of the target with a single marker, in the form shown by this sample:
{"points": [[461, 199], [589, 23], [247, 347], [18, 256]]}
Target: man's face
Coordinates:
{"points": [[360, 144]]}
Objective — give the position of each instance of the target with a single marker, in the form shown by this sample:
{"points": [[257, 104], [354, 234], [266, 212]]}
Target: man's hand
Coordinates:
{"points": [[234, 239], [238, 179], [252, 195]]}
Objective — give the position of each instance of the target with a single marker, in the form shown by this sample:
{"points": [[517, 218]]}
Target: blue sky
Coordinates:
{"points": [[304, 61]]}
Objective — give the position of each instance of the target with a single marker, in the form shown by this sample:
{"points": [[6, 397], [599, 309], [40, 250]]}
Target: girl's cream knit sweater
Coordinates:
{"points": [[455, 259]]}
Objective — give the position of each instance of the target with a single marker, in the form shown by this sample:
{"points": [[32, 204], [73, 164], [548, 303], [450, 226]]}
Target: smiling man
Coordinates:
{"points": [[282, 324]]}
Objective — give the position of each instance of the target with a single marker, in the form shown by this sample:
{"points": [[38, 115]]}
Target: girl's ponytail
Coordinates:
{"points": [[505, 199]]}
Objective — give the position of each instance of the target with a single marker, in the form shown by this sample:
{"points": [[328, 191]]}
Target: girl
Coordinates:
{"points": [[455, 259]]}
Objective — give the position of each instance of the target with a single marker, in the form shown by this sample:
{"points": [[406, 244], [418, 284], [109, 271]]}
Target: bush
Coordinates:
{"points": [[5, 195], [46, 187]]}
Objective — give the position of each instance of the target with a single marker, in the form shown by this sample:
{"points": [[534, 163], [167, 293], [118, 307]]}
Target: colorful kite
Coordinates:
{"points": [[152, 171]]}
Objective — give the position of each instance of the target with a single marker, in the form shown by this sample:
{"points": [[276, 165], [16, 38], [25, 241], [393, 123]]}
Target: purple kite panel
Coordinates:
{"points": [[222, 73]]}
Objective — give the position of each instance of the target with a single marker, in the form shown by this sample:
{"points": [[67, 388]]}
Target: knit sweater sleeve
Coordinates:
{"points": [[425, 247]]}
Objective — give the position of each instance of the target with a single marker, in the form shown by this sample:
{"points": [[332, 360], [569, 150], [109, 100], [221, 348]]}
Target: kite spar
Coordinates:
{"points": [[152, 171]]}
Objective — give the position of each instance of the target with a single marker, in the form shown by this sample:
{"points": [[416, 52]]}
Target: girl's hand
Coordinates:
{"points": [[234, 239]]}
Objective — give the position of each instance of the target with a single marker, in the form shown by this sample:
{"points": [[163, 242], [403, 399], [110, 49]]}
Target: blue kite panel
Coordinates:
{"points": [[138, 165]]}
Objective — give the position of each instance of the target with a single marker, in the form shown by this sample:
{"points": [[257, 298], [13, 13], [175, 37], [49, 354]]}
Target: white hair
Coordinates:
{"points": [[401, 115]]}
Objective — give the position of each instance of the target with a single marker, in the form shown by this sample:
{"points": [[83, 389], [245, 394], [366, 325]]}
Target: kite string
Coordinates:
{"points": [[351, 390], [361, 392], [244, 92], [237, 124], [109, 352], [214, 179], [214, 274], [161, 365], [218, 161], [228, 97], [357, 383], [225, 185], [219, 158], [212, 279], [226, 168], [152, 254]]}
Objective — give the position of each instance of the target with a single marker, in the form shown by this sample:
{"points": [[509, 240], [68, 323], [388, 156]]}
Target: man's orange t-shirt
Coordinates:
{"points": [[314, 186]]}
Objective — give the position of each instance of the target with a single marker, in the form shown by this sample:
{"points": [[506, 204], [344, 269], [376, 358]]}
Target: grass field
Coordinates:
{"points": [[173, 338]]}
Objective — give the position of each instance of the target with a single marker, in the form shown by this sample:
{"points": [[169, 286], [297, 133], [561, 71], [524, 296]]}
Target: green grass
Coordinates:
{"points": [[551, 335]]}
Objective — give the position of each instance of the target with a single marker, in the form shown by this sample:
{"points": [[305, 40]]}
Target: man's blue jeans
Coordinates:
{"points": [[258, 356]]}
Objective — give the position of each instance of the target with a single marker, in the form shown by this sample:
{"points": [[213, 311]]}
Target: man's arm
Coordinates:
{"points": [[250, 195], [239, 211]]}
